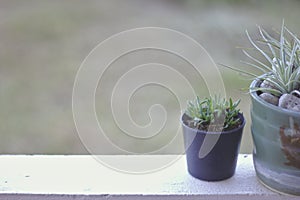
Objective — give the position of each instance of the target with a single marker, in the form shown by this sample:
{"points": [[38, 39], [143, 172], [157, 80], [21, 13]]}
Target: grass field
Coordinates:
{"points": [[43, 43]]}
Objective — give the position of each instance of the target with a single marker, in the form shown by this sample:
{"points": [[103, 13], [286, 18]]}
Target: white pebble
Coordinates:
{"points": [[289, 101], [270, 98]]}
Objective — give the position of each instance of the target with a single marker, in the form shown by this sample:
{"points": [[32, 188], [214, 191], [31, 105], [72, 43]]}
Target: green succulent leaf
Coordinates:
{"points": [[213, 113]]}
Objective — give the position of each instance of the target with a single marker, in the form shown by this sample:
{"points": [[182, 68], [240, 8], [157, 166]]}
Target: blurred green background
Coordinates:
{"points": [[42, 44]]}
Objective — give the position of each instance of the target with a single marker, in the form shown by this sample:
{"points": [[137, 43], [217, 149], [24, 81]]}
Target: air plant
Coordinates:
{"points": [[282, 71]]}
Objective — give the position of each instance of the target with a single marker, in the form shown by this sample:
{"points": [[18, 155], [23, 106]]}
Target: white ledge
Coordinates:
{"points": [[83, 177]]}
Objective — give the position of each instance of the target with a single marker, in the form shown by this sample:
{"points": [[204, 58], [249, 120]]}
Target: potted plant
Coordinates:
{"points": [[275, 111], [212, 129]]}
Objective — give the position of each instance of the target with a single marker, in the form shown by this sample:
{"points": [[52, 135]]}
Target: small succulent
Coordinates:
{"points": [[213, 114]]}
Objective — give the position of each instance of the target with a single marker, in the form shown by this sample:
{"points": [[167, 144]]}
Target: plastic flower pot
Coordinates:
{"points": [[276, 136], [220, 162]]}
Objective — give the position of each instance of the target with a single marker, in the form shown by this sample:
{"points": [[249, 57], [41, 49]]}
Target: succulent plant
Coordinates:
{"points": [[213, 114], [282, 71]]}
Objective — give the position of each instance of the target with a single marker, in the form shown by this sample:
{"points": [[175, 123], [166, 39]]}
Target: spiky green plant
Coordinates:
{"points": [[213, 114], [282, 70]]}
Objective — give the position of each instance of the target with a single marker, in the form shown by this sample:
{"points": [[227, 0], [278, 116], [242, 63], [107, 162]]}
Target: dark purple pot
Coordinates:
{"points": [[220, 162]]}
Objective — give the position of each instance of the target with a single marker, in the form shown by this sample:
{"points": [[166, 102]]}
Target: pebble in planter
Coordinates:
{"points": [[269, 98], [272, 99], [290, 101], [220, 122]]}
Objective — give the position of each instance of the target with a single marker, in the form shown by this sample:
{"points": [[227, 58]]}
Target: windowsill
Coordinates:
{"points": [[69, 177]]}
